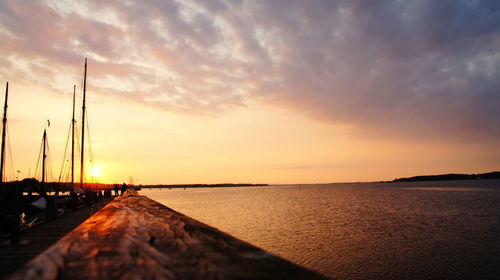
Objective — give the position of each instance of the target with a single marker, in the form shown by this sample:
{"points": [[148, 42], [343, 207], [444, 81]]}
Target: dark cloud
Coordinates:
{"points": [[392, 67]]}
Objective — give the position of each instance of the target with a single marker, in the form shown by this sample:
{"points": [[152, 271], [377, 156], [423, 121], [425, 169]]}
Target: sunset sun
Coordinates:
{"points": [[96, 171]]}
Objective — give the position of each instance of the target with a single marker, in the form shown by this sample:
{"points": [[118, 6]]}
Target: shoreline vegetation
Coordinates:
{"points": [[33, 185], [448, 177]]}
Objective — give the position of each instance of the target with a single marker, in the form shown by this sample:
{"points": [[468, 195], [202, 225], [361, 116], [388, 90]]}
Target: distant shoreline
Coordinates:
{"points": [[202, 186], [448, 177], [419, 178]]}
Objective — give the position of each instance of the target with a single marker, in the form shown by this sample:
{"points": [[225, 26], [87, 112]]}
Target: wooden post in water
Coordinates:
{"points": [[4, 129]]}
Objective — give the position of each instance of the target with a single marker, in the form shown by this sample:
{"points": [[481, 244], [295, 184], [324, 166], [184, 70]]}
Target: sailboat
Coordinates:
{"points": [[44, 155], [82, 157], [70, 165], [4, 128], [74, 189], [47, 202]]}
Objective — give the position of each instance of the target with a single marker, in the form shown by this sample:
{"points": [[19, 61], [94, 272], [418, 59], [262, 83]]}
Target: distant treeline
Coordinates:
{"points": [[32, 183], [444, 177], [204, 185]]}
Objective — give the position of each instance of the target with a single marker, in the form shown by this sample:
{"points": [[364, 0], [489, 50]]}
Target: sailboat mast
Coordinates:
{"points": [[73, 140], [44, 140], [4, 128], [82, 167]]}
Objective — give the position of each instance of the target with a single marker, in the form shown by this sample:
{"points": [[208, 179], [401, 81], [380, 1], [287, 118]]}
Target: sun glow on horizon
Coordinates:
{"points": [[96, 171]]}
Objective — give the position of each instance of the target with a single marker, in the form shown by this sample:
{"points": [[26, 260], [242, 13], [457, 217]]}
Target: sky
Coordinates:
{"points": [[282, 91]]}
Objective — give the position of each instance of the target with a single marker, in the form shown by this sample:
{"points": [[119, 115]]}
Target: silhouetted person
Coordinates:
{"points": [[88, 197], [13, 208], [50, 208], [117, 188], [74, 202], [124, 188]]}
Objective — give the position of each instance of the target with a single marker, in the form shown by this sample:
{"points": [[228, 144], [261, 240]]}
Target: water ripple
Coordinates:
{"points": [[361, 231]]}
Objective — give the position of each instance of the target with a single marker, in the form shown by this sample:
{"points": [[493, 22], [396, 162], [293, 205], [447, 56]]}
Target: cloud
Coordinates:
{"points": [[386, 67]]}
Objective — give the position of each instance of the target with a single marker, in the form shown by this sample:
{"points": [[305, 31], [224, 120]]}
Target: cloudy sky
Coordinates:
{"points": [[258, 91]]}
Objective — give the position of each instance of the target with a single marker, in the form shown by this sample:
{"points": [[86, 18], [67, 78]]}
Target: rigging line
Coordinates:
{"points": [[49, 161], [77, 144], [91, 154], [38, 161], [77, 151], [64, 161], [10, 153], [64, 155]]}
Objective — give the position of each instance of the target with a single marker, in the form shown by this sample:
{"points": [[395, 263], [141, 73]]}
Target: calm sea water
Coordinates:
{"points": [[423, 230]]}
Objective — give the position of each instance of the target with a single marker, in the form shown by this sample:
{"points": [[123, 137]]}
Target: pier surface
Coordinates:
{"points": [[134, 237], [41, 237]]}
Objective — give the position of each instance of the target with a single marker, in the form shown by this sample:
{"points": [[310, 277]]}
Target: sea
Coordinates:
{"points": [[407, 230]]}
